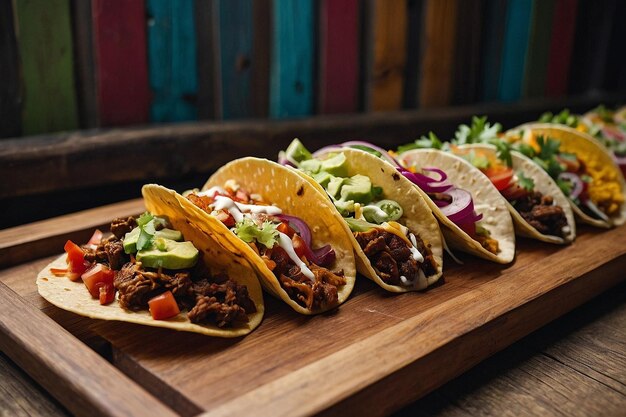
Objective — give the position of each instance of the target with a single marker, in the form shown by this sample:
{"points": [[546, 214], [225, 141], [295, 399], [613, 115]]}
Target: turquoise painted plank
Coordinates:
{"points": [[516, 37], [172, 60], [235, 40], [291, 68], [493, 34]]}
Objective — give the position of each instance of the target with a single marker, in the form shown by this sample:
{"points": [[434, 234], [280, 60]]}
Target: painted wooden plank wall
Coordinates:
{"points": [[536, 68], [121, 59], [235, 63], [561, 46], [44, 37], [338, 56], [292, 51], [172, 64]]}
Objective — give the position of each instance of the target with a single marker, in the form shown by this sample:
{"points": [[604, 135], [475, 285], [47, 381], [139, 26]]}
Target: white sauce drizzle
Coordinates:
{"points": [[414, 252], [212, 191], [285, 242], [237, 209]]}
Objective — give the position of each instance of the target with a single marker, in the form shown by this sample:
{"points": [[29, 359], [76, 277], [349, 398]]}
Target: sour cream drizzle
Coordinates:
{"points": [[212, 191], [285, 242], [237, 209]]}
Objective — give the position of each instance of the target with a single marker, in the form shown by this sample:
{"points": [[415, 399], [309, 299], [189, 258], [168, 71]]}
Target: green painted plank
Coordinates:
{"points": [[10, 94], [45, 44]]}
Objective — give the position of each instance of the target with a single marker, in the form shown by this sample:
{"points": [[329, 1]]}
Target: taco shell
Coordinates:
{"points": [[417, 216], [487, 200], [580, 143], [544, 184], [74, 297], [285, 189]]}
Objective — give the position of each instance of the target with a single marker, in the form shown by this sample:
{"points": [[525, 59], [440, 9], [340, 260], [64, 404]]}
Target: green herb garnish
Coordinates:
{"points": [[525, 182], [248, 231]]}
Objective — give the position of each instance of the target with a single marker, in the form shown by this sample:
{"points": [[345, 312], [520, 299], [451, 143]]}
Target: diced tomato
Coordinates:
{"points": [[58, 272], [299, 246], [514, 192], [286, 229], [242, 196], [76, 264], [226, 218], [96, 238], [500, 176], [106, 293], [163, 306], [97, 276]]}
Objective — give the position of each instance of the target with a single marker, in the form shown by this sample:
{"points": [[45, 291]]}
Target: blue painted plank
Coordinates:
{"points": [[493, 35], [514, 51], [172, 60], [291, 68], [235, 43]]}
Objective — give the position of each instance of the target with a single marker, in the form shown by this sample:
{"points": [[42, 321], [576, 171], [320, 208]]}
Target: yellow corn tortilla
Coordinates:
{"points": [[544, 184], [285, 189], [487, 201], [74, 297], [417, 215], [577, 142]]}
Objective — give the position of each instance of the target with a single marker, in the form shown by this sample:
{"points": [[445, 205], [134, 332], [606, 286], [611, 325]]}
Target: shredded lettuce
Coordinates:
{"points": [[248, 231], [359, 225]]}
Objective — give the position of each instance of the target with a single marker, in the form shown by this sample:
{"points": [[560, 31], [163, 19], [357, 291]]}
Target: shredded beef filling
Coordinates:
{"points": [[541, 213], [314, 295], [216, 300], [390, 256]]}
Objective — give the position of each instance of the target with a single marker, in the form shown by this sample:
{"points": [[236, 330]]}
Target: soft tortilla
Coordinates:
{"points": [[74, 297], [487, 200], [544, 184], [417, 215], [575, 141], [284, 188]]}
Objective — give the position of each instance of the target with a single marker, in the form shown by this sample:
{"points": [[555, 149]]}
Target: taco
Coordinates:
{"points": [[537, 205], [157, 270], [394, 234], [581, 166], [291, 236]]}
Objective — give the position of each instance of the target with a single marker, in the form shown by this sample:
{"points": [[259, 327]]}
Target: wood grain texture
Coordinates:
{"points": [[77, 376], [21, 397], [172, 64], [236, 27], [86, 90], [292, 50], [43, 238], [121, 58], [536, 65], [514, 49], [480, 309], [561, 47], [439, 36], [409, 336], [206, 34], [386, 43], [338, 52], [10, 88], [58, 162], [573, 366], [45, 43]]}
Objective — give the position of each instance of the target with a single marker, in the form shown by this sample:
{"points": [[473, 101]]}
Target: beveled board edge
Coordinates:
{"points": [[79, 378], [35, 240]]}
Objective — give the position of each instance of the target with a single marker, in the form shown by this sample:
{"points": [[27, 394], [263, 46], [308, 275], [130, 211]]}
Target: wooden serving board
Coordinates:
{"points": [[374, 354]]}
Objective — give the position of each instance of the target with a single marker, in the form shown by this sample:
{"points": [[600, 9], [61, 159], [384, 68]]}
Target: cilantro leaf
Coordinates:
{"points": [[548, 147], [563, 118], [430, 142], [480, 131], [248, 231], [503, 150], [525, 182], [525, 149]]}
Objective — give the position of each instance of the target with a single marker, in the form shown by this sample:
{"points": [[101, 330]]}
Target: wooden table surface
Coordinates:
{"points": [[575, 366]]}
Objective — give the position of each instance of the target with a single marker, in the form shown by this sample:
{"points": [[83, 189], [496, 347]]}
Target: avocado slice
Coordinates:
{"points": [[312, 166], [357, 188], [130, 239], [171, 255], [336, 165]]}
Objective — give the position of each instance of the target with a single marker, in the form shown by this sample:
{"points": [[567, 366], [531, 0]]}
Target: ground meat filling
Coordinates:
{"points": [[321, 294], [390, 256], [541, 213], [214, 300]]}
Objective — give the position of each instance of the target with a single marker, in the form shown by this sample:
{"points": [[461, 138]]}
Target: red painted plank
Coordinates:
{"points": [[339, 56], [121, 61], [561, 45]]}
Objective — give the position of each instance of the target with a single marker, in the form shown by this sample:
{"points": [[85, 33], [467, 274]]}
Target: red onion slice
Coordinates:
{"points": [[576, 182], [425, 182], [323, 256], [460, 207], [442, 175], [299, 225]]}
